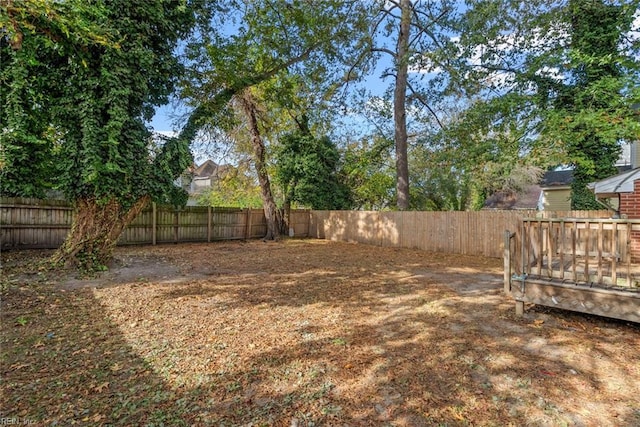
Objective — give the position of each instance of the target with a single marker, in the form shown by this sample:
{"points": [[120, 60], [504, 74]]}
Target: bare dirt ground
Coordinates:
{"points": [[302, 333]]}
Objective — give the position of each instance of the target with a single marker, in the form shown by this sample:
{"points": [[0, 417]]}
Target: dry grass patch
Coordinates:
{"points": [[302, 333]]}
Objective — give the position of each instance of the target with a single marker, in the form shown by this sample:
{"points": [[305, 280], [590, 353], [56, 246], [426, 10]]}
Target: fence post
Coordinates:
{"points": [[507, 261], [519, 308], [154, 223], [176, 225], [247, 233], [208, 224]]}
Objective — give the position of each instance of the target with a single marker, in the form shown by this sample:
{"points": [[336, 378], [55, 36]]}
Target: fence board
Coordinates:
{"points": [[300, 222]]}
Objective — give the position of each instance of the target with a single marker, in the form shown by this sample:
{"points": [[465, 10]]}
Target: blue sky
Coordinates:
{"points": [[163, 121]]}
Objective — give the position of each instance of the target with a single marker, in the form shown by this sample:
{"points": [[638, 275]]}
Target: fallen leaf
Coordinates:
{"points": [[101, 387], [18, 366]]}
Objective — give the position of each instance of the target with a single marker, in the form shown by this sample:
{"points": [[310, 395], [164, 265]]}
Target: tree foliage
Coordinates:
{"points": [[368, 171], [485, 156], [251, 43], [36, 38], [307, 168], [236, 187]]}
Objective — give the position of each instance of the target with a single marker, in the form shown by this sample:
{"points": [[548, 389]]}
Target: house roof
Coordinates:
{"points": [[206, 169], [526, 199], [621, 183], [561, 178]]}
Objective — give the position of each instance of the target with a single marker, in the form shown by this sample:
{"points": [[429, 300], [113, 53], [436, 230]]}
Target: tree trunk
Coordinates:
{"points": [[271, 212], [95, 230], [399, 107]]}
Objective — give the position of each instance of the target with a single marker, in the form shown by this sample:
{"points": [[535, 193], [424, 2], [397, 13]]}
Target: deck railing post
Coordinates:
{"points": [[562, 249], [587, 252], [615, 253], [628, 260], [524, 251]]}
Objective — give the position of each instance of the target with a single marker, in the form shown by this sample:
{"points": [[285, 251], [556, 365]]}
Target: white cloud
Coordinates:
{"points": [[552, 72]]}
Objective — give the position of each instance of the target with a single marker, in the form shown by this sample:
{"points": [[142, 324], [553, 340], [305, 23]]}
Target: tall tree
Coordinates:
{"points": [[420, 29], [401, 60], [271, 40], [250, 109], [88, 99], [594, 97]]}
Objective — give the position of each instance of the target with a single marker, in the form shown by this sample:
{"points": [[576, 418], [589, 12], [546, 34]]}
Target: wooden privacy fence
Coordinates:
{"points": [[470, 233], [30, 223]]}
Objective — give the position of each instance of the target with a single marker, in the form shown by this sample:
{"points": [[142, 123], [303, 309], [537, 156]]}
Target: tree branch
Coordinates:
{"points": [[385, 50], [424, 29], [424, 102], [194, 123]]}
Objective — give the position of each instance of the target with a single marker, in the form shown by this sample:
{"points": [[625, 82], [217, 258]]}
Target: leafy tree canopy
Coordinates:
{"points": [[307, 168], [277, 42], [368, 171], [236, 187]]}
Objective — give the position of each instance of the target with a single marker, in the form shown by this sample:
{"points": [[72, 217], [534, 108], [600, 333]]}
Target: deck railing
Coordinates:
{"points": [[592, 252]]}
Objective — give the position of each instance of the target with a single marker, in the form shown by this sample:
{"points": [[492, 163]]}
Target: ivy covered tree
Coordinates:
{"points": [[79, 82], [35, 38], [562, 74], [590, 112]]}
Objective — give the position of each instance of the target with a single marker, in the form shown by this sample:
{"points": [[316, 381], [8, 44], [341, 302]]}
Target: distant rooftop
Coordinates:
{"points": [[557, 178]]}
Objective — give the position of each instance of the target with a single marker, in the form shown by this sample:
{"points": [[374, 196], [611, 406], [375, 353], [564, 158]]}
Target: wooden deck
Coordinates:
{"points": [[584, 265]]}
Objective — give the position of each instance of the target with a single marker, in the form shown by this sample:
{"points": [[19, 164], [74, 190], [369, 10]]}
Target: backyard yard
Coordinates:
{"points": [[301, 333]]}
